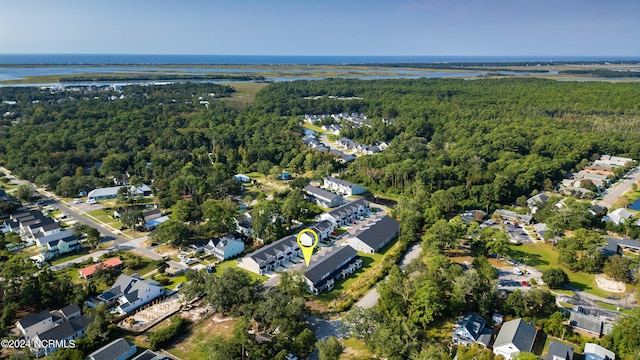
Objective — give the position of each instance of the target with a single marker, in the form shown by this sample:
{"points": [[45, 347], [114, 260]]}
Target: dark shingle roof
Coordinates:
{"points": [[378, 232], [112, 350], [35, 318], [473, 323], [322, 225], [320, 193], [559, 349], [70, 310], [635, 244], [152, 214], [65, 235], [518, 332], [66, 329], [146, 355], [272, 249], [348, 208], [585, 322], [333, 259]]}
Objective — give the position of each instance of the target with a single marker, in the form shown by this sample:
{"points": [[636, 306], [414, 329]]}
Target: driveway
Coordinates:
{"points": [[613, 194]]}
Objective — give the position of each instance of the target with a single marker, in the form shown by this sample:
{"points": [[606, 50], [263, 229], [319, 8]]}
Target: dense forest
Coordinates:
{"points": [[469, 143]]}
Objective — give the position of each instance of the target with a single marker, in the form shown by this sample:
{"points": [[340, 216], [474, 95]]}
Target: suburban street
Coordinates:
{"points": [[613, 194], [119, 242]]}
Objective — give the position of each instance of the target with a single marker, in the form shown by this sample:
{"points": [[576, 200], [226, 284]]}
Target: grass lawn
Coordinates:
{"points": [[544, 257], [610, 306], [105, 217], [148, 267], [195, 341], [70, 272], [355, 349], [309, 126], [232, 264], [68, 258]]}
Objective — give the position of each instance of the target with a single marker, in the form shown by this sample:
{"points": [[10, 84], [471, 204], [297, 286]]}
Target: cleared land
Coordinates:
{"points": [[544, 257]]}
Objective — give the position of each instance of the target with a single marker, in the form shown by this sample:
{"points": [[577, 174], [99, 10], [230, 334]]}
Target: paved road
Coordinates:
{"points": [[119, 242], [613, 194]]}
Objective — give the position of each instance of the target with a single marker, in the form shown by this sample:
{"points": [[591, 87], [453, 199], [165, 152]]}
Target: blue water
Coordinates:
{"points": [[635, 205], [113, 59]]}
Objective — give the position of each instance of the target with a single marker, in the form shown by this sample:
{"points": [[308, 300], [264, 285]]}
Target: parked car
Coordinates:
{"points": [[77, 201], [525, 283], [517, 271]]}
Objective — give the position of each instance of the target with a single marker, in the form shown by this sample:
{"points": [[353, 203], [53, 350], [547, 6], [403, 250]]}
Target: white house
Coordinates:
{"points": [[376, 235], [596, 352], [118, 349], [58, 325], [618, 216], [514, 337], [471, 330], [131, 292], [225, 247], [112, 192], [58, 243], [342, 187]]}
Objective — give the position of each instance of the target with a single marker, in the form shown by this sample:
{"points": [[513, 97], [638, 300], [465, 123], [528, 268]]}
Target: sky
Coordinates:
{"points": [[323, 27]]}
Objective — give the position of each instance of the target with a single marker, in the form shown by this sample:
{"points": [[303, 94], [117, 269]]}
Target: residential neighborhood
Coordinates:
{"points": [[196, 237]]}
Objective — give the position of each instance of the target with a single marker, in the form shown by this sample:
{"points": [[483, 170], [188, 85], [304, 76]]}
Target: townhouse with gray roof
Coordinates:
{"points": [[342, 187], [334, 264], [270, 257], [347, 213], [323, 197], [377, 233], [282, 252]]}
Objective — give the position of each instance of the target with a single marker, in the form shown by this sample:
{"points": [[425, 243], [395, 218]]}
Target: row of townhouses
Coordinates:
{"points": [[35, 228]]}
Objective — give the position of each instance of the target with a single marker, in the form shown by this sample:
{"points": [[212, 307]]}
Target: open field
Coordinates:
{"points": [[544, 257], [193, 344], [103, 216], [245, 94]]}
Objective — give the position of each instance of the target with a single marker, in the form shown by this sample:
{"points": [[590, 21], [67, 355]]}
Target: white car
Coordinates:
{"points": [[77, 201], [517, 271]]}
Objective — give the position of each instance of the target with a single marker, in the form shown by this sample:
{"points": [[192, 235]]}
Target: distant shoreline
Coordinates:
{"points": [[274, 60]]}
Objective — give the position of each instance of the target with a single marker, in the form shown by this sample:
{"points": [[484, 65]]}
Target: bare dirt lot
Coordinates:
{"points": [[609, 285]]}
